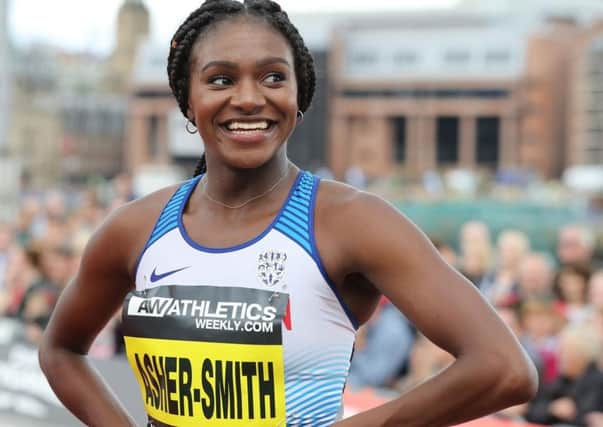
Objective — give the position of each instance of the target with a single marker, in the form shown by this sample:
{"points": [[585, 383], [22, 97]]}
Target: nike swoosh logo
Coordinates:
{"points": [[156, 277]]}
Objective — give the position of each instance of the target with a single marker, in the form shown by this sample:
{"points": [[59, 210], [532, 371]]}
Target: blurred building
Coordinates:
{"points": [[63, 127], [466, 88], [4, 74], [93, 128], [155, 134], [420, 92], [69, 109], [586, 107], [34, 135], [581, 10], [133, 28], [566, 46]]}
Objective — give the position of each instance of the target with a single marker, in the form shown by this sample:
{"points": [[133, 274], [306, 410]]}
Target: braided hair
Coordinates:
{"points": [[214, 11]]}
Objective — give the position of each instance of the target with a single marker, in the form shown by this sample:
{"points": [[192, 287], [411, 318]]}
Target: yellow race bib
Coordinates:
{"points": [[208, 356]]}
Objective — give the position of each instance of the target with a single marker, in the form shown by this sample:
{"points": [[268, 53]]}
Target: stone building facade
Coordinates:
{"points": [[5, 75], [458, 90]]}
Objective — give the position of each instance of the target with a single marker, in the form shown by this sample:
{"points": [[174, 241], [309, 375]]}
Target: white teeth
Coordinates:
{"points": [[261, 125]]}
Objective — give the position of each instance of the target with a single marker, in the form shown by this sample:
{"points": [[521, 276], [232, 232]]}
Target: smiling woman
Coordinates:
{"points": [[243, 287]]}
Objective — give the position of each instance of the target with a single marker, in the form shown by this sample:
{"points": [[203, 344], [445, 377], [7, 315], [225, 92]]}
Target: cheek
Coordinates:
{"points": [[288, 101]]}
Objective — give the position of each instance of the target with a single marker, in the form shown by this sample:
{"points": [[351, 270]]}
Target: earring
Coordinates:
{"points": [[300, 116], [188, 129]]}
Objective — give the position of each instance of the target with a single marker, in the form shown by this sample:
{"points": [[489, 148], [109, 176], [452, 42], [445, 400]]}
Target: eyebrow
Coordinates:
{"points": [[259, 63]]}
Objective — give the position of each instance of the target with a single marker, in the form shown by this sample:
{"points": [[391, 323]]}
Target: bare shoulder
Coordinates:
{"points": [[351, 223], [354, 214], [343, 205], [126, 230]]}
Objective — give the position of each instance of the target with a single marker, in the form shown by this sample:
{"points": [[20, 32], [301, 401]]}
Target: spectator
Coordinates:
{"points": [[426, 360], [595, 291], [445, 251], [535, 277], [571, 289], [86, 219], [510, 315], [512, 247], [540, 323], [20, 273], [355, 176], [123, 188], [30, 209], [53, 215], [575, 245], [36, 312], [476, 253], [382, 348], [579, 389], [56, 268]]}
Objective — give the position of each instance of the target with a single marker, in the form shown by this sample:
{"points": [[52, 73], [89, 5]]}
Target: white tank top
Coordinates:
{"points": [[250, 335]]}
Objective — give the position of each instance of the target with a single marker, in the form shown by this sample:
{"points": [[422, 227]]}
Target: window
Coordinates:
{"points": [[447, 140], [405, 58], [399, 125], [363, 58], [497, 57], [153, 137], [456, 56], [488, 140]]}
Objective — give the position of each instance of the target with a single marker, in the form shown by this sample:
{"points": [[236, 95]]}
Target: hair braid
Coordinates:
{"points": [[214, 11]]}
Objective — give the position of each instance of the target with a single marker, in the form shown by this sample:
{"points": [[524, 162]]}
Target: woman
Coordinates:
{"points": [[241, 306], [571, 289]]}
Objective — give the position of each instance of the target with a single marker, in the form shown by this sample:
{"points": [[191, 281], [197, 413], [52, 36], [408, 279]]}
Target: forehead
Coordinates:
{"points": [[241, 39]]}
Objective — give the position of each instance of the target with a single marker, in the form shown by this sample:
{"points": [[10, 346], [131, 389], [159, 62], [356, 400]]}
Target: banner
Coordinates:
{"points": [[26, 399]]}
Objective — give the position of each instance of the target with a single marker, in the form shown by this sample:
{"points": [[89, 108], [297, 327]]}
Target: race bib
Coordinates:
{"points": [[210, 356]]}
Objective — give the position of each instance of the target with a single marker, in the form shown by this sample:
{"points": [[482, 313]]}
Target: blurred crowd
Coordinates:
{"points": [[553, 302], [40, 252]]}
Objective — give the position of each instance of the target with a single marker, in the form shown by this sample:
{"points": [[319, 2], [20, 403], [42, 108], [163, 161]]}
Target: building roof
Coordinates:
{"points": [[443, 46], [582, 10]]}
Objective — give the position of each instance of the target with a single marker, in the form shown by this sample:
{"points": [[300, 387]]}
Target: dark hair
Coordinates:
{"points": [[214, 11], [579, 270]]}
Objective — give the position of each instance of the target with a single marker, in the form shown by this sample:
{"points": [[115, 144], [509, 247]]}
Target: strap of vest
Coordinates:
{"points": [[168, 219], [295, 220]]}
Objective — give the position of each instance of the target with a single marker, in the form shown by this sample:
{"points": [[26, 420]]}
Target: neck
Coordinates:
{"points": [[234, 186]]}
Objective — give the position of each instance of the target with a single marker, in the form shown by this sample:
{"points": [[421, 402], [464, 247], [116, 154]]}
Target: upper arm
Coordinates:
{"points": [[99, 287], [393, 254]]}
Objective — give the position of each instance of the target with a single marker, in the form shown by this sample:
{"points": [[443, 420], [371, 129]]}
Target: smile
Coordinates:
{"points": [[248, 131], [248, 126]]}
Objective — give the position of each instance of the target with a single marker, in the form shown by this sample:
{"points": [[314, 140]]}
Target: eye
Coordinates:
{"points": [[274, 78], [219, 80]]}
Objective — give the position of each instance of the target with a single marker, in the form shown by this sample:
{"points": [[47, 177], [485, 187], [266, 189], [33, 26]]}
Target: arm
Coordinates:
{"points": [[84, 307], [491, 370]]}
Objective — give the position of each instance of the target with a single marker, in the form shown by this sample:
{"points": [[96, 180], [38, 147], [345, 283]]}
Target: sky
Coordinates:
{"points": [[89, 25]]}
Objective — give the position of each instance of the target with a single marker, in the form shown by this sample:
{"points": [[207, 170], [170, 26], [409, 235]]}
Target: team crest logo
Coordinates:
{"points": [[271, 267]]}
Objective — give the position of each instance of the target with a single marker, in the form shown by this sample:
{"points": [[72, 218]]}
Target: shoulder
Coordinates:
{"points": [[123, 234], [346, 205], [355, 223]]}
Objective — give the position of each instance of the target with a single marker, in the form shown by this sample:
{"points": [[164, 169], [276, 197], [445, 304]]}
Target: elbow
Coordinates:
{"points": [[45, 358], [49, 359], [517, 380]]}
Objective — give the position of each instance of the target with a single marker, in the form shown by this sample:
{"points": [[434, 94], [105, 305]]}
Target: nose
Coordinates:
{"points": [[248, 97]]}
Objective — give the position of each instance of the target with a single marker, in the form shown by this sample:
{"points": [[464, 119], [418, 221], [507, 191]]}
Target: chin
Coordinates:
{"points": [[250, 160]]}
